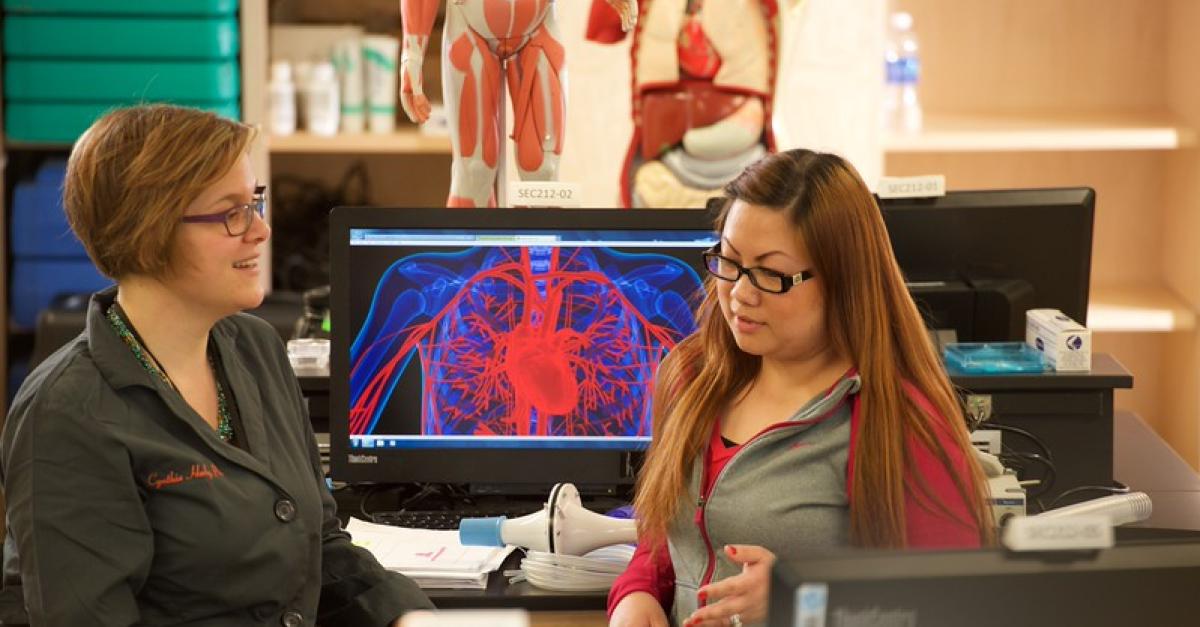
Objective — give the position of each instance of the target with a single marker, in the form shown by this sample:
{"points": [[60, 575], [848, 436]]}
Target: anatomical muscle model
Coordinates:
{"points": [[483, 39]]}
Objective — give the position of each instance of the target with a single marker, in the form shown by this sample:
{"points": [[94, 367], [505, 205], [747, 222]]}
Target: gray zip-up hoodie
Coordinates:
{"points": [[784, 490]]}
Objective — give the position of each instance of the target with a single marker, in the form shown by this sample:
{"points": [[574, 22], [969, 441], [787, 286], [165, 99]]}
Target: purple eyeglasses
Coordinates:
{"points": [[237, 220]]}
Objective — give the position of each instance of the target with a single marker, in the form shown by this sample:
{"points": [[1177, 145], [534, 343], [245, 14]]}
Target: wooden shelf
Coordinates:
{"points": [[990, 133], [404, 141], [11, 145], [1132, 309]]}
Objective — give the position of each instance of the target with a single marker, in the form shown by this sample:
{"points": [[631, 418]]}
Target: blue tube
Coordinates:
{"points": [[481, 531]]}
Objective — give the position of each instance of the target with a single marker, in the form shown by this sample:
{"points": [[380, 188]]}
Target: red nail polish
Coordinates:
{"points": [[733, 550], [703, 597]]}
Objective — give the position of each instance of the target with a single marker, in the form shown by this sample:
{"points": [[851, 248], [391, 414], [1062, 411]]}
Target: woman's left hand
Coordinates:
{"points": [[744, 596]]}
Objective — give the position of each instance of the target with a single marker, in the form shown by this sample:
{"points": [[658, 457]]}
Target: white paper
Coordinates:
{"points": [[432, 556]]}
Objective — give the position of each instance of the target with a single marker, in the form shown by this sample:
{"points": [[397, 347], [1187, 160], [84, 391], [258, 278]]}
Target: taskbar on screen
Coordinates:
{"points": [[376, 442]]}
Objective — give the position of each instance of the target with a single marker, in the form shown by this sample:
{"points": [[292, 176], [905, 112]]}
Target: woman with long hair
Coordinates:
{"points": [[808, 410]]}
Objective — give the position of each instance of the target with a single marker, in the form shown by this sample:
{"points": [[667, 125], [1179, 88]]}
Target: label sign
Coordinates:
{"points": [[912, 186], [543, 194]]}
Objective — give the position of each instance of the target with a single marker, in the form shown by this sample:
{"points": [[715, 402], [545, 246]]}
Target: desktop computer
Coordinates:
{"points": [[504, 350], [976, 260]]}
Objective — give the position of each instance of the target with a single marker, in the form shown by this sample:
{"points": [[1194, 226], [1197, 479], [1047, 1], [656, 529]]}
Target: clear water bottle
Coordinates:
{"points": [[901, 107]]}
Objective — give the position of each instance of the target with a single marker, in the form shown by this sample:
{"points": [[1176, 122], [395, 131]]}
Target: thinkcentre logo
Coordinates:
{"points": [[363, 459]]}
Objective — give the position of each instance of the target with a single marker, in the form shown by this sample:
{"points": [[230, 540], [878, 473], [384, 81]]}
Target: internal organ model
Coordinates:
{"points": [[703, 86], [531, 341]]}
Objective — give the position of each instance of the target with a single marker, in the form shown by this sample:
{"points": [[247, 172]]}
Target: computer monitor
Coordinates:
{"points": [[976, 260], [1150, 582], [508, 350]]}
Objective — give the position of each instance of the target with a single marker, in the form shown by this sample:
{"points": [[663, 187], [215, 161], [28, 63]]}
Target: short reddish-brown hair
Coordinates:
{"points": [[131, 175]]}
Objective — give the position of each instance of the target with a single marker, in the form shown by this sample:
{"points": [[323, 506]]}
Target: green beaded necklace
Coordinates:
{"points": [[143, 355]]}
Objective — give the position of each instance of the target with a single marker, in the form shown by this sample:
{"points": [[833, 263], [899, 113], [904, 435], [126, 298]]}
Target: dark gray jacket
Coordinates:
{"points": [[126, 508]]}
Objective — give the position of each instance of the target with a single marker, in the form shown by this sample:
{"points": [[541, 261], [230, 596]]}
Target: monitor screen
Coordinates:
{"points": [[504, 348], [976, 260], [1144, 582]]}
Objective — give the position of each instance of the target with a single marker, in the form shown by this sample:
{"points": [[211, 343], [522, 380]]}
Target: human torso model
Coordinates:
{"points": [[703, 86]]}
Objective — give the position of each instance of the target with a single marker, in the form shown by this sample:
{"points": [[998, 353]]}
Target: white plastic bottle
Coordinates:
{"points": [[348, 61], [321, 109], [901, 107], [281, 106]]}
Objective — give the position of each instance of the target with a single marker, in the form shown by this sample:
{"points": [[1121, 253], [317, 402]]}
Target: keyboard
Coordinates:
{"points": [[449, 519]]}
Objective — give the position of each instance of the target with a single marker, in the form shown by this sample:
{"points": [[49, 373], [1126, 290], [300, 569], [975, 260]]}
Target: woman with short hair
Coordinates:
{"points": [[160, 469]]}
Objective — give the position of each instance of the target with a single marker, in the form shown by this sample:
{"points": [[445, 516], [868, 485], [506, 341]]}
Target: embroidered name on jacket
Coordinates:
{"points": [[159, 480]]}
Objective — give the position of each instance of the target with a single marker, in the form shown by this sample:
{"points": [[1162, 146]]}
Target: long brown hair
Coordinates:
{"points": [[871, 319]]}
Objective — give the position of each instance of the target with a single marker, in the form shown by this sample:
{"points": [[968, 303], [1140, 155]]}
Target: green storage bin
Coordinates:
{"points": [[123, 7], [118, 81], [62, 37], [54, 122]]}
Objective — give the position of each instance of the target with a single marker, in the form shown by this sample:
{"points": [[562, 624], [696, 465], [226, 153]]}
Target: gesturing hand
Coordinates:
{"points": [[744, 595]]}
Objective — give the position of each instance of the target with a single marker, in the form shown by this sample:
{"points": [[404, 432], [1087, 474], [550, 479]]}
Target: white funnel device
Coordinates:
{"points": [[563, 526], [1119, 509]]}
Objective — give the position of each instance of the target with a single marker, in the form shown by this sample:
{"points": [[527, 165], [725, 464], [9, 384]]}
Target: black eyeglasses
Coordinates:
{"points": [[764, 279], [239, 219]]}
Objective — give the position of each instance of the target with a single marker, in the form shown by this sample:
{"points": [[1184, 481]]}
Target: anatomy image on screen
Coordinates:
{"points": [[525, 340]]}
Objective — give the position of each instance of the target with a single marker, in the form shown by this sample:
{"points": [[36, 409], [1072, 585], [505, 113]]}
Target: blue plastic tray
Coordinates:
{"points": [[993, 358], [63, 122], [39, 224], [36, 283], [91, 81], [123, 7], [70, 37]]}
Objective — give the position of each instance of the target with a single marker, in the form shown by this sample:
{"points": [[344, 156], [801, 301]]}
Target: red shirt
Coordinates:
{"points": [[927, 526]]}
